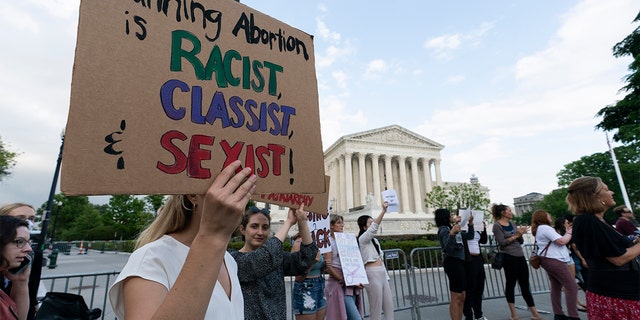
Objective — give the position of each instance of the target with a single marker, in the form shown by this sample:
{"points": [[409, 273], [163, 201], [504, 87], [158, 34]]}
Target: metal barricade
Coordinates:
{"points": [[93, 287]]}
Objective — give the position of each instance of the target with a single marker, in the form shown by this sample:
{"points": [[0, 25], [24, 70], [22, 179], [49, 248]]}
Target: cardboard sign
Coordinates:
{"points": [[319, 225], [314, 202], [392, 198], [165, 94], [350, 259]]}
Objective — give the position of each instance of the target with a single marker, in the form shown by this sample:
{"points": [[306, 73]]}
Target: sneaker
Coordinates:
{"points": [[482, 318]]}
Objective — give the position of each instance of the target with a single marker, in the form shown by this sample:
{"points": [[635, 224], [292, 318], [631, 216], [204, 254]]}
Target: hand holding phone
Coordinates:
{"points": [[25, 263]]}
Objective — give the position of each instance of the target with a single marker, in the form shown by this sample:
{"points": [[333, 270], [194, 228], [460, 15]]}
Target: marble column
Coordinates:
{"points": [[426, 166], [342, 202], [438, 174], [388, 172], [348, 176], [375, 171], [417, 197], [363, 178], [404, 186]]}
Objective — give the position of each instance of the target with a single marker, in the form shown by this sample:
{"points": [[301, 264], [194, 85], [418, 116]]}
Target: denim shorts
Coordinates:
{"points": [[308, 296]]}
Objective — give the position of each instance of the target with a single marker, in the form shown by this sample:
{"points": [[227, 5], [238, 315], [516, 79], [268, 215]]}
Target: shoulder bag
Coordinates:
{"points": [[535, 259]]}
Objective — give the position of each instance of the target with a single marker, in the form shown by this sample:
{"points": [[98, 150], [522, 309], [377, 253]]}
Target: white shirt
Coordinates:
{"points": [[161, 261], [544, 235]]}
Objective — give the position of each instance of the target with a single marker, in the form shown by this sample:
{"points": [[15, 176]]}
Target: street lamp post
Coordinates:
{"points": [[54, 183]]}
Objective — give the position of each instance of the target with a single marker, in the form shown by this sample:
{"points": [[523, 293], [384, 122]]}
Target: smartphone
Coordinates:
{"points": [[25, 263]]}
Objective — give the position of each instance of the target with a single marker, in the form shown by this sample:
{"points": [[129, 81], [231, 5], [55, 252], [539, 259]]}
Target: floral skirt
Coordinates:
{"points": [[604, 308]]}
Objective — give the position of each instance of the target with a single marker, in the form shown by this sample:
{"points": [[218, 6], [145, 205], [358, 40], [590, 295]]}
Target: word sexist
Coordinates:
{"points": [[236, 113], [264, 159]]}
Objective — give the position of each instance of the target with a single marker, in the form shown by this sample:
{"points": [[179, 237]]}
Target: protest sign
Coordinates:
{"points": [[350, 259], [165, 94], [314, 202], [391, 197], [478, 217], [319, 225]]}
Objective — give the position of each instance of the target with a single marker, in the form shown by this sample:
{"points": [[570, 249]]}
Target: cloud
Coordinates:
{"points": [[375, 68], [442, 47], [454, 79]]}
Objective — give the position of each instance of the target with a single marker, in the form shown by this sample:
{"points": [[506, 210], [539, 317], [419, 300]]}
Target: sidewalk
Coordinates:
{"points": [[493, 309]]}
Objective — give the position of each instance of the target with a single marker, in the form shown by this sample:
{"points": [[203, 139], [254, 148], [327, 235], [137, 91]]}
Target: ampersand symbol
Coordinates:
{"points": [[111, 140]]}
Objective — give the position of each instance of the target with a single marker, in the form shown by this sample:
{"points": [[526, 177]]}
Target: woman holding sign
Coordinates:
{"points": [[453, 251], [262, 264], [343, 302], [378, 289], [180, 268]]}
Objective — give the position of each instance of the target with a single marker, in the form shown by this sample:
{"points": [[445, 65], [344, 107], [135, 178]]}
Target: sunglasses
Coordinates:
{"points": [[264, 211]]}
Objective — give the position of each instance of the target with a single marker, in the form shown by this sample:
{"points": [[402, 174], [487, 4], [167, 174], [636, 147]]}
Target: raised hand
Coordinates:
{"points": [[224, 202]]}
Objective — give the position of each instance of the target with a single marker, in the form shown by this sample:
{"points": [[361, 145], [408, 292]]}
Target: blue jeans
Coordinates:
{"points": [[352, 309], [308, 296]]}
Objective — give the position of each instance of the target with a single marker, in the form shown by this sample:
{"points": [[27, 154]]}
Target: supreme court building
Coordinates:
{"points": [[363, 164]]}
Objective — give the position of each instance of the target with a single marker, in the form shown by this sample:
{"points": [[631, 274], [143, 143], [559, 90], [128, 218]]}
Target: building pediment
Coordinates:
{"points": [[395, 135]]}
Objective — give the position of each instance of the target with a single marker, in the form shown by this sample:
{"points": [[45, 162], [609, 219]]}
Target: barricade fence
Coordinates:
{"points": [[417, 281]]}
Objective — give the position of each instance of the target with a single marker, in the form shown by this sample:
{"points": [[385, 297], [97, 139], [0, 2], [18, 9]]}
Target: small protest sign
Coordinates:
{"points": [[314, 202], [350, 259], [391, 197]]}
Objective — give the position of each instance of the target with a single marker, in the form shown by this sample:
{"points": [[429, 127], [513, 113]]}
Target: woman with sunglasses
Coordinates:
{"points": [[263, 264], [16, 246]]}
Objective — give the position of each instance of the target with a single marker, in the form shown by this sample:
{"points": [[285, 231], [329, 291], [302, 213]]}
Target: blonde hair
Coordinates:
{"points": [[7, 208], [582, 196], [173, 216]]}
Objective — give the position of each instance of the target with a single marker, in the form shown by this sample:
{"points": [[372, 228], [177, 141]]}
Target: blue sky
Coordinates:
{"points": [[511, 88]]}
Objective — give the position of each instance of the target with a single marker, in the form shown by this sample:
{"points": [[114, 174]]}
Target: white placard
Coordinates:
{"points": [[391, 197], [478, 216], [319, 225], [350, 259]]}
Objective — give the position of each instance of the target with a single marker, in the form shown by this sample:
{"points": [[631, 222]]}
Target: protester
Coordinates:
{"points": [[15, 245], [27, 213], [451, 242], [262, 263], [307, 298], [614, 272], [180, 268], [509, 240], [552, 248], [561, 225], [474, 268], [624, 224], [343, 302], [378, 288]]}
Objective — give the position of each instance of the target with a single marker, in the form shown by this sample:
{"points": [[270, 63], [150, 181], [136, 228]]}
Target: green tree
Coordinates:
{"points": [[72, 218], [7, 160], [153, 203], [457, 197], [601, 165], [624, 115], [554, 203], [126, 213]]}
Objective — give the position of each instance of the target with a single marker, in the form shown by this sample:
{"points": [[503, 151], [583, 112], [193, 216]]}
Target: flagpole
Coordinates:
{"points": [[620, 181]]}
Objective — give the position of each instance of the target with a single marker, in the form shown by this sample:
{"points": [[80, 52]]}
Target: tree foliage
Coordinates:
{"points": [[127, 215], [457, 197], [601, 165], [7, 160], [624, 115]]}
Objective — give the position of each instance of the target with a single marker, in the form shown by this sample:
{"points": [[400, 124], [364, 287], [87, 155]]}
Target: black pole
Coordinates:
{"points": [[47, 211], [55, 221]]}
